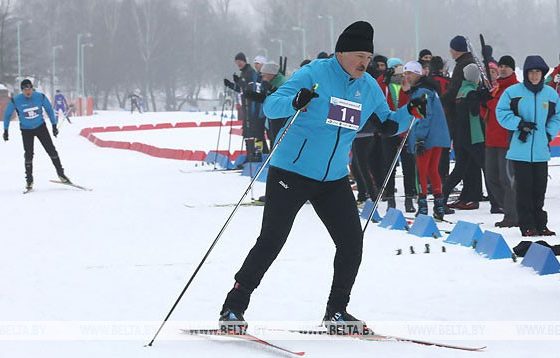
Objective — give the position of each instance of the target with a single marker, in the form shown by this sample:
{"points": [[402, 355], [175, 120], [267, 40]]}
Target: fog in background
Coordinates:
{"points": [[174, 52]]}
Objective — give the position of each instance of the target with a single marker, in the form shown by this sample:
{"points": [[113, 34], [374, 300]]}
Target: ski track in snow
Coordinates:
{"points": [[124, 251]]}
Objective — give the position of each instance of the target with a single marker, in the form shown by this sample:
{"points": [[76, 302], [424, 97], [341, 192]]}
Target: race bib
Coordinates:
{"points": [[344, 113], [31, 113]]}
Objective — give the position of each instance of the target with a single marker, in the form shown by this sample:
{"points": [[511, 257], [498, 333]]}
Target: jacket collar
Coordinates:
{"points": [[339, 70]]}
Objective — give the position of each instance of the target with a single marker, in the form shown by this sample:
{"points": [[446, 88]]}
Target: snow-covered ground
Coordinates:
{"points": [[92, 274]]}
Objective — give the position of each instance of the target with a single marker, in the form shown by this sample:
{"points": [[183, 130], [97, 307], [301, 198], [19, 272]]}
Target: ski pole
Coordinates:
{"points": [[393, 164], [230, 127], [265, 163], [486, 81], [220, 130]]}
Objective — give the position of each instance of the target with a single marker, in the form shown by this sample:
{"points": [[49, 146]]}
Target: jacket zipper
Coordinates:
{"points": [[332, 154], [533, 134], [300, 150]]}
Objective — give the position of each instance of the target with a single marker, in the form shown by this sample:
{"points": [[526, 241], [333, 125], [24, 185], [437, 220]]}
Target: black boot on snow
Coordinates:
{"points": [[343, 323], [439, 209], [408, 205], [232, 322], [422, 205]]}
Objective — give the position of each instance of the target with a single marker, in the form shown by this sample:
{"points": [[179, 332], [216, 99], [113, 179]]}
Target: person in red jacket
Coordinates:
{"points": [[499, 170], [553, 80]]}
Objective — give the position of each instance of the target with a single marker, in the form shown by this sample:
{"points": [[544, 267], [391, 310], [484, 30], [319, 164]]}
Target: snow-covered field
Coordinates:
{"points": [[92, 274]]}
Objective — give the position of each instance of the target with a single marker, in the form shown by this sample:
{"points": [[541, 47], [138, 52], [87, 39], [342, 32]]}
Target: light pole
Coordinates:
{"points": [[331, 28], [303, 44], [82, 46], [19, 49], [281, 42], [417, 25], [54, 48], [78, 61]]}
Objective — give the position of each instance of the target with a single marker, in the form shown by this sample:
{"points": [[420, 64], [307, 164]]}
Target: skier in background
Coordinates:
{"points": [[61, 105], [135, 102]]}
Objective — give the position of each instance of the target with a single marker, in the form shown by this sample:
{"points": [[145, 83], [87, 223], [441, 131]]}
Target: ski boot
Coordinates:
{"points": [[422, 205], [408, 205], [439, 209], [343, 323], [28, 185], [232, 322], [64, 179], [391, 202]]}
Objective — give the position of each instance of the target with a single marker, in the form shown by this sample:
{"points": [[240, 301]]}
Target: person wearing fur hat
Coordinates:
{"points": [[427, 138], [498, 170], [532, 111], [468, 143], [333, 98]]}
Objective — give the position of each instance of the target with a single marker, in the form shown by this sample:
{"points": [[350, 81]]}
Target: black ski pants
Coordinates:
{"points": [[530, 185], [334, 203], [42, 133]]}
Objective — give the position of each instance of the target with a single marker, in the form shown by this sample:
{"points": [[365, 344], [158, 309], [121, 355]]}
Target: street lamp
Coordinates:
{"points": [[19, 49], [54, 48], [78, 61], [281, 42], [331, 27], [82, 46], [298, 28]]}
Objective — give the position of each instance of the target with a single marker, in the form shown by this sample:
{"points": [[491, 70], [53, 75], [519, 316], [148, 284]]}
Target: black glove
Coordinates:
{"points": [[525, 128], [229, 84], [420, 147], [483, 96], [6, 136], [255, 96], [417, 106], [302, 98], [388, 75], [54, 130], [236, 79]]}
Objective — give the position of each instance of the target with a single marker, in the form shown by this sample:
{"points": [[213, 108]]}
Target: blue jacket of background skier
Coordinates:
{"points": [[29, 110], [519, 102], [312, 147], [60, 102], [433, 128]]}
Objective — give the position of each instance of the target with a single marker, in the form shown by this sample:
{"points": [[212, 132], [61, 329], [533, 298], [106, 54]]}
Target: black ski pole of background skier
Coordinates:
{"points": [[233, 101], [485, 60], [264, 164], [391, 168], [220, 130]]}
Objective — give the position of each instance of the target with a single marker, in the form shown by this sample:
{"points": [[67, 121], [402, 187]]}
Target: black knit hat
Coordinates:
{"points": [[26, 83], [507, 61], [241, 57], [356, 37], [424, 52]]}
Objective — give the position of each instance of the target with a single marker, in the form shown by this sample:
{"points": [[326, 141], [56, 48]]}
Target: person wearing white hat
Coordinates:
{"points": [[427, 138]]}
